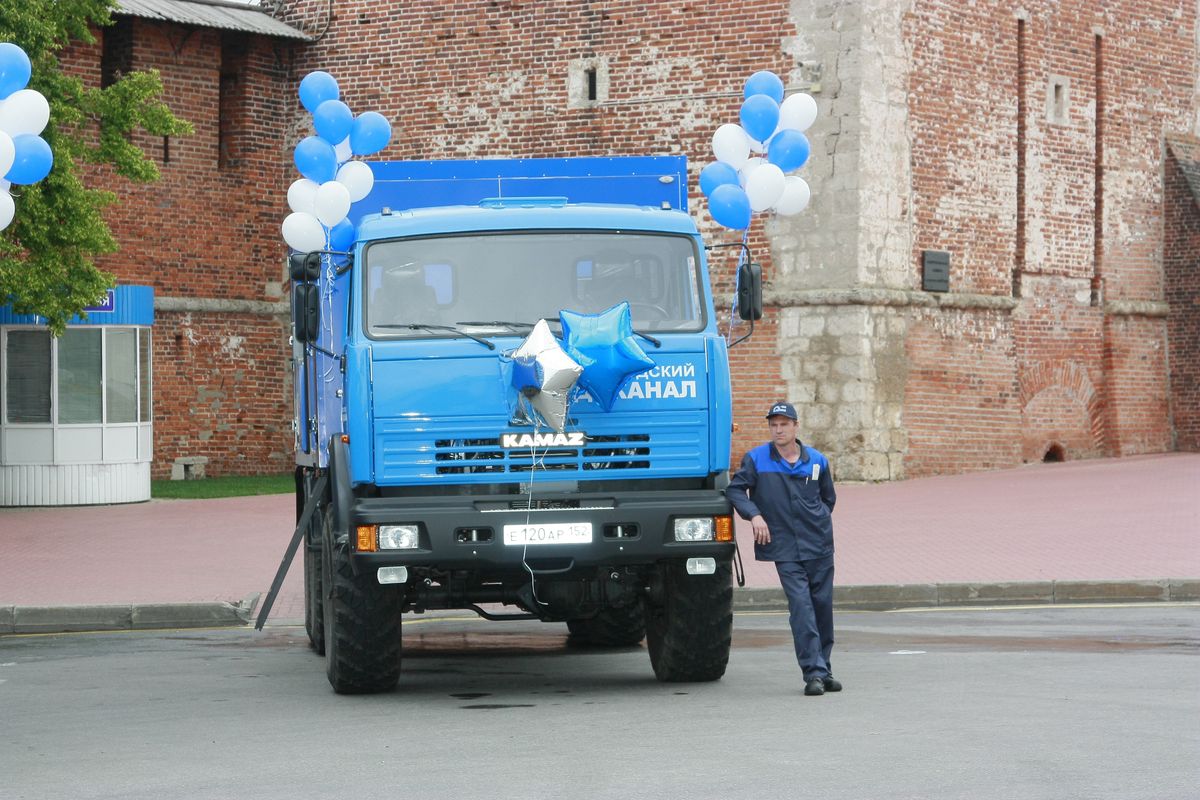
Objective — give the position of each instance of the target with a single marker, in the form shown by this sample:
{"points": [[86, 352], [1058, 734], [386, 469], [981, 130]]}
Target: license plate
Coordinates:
{"points": [[549, 533]]}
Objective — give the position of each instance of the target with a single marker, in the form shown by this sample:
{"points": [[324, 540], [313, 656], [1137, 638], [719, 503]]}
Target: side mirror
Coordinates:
{"points": [[306, 312], [304, 266], [749, 298]]}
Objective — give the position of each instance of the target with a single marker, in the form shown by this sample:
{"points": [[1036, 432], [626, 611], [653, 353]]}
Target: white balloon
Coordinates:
{"points": [[358, 178], [303, 232], [795, 197], [302, 196], [332, 203], [731, 145], [798, 112], [764, 186], [751, 165], [24, 111], [342, 150], [8, 209], [8, 152]]}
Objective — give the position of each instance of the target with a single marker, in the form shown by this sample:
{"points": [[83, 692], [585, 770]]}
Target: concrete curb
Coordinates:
{"points": [[157, 616], [132, 617], [935, 595]]}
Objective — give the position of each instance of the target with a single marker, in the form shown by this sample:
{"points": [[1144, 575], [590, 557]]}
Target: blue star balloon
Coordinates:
{"points": [[605, 345]]}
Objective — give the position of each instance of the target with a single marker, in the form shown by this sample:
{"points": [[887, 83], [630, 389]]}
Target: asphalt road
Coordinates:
{"points": [[1047, 702]]}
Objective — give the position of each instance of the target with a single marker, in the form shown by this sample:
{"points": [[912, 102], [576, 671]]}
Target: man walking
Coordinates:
{"points": [[784, 488]]}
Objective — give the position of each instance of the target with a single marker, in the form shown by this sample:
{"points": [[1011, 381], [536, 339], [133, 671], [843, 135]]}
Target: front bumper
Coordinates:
{"points": [[627, 529]]}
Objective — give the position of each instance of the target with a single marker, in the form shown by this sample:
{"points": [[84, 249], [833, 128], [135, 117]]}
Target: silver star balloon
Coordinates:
{"points": [[545, 375]]}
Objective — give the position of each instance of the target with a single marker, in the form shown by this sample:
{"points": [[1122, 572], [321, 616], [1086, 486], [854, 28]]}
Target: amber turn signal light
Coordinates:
{"points": [[724, 527], [367, 541]]}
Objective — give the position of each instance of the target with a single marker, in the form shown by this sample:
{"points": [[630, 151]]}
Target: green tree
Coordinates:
{"points": [[46, 254]]}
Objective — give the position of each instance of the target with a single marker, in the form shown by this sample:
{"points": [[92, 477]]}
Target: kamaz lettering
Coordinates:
{"points": [[572, 439]]}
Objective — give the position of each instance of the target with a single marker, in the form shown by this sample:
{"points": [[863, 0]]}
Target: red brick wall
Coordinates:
{"points": [[1088, 386], [209, 230], [222, 390], [1181, 268]]}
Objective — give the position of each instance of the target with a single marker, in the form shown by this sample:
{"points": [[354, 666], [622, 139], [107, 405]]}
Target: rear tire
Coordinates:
{"points": [[623, 626], [314, 608], [689, 633], [362, 625]]}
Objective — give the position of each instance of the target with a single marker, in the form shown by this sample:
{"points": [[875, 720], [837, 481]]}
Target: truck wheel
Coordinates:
{"points": [[612, 627], [362, 627], [314, 608], [689, 633]]}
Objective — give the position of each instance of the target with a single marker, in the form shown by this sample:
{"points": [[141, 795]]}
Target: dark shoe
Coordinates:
{"points": [[814, 687], [832, 684]]}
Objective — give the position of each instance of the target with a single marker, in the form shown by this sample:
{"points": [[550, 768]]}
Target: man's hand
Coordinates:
{"points": [[761, 534]]}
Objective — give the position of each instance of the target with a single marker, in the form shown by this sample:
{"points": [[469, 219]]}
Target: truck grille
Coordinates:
{"points": [[482, 456]]}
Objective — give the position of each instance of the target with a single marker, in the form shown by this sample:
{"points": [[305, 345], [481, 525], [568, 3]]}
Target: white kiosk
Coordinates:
{"points": [[75, 412]]}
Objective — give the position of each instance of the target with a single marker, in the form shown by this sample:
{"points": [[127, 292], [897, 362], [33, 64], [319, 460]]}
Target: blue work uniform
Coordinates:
{"points": [[796, 501]]}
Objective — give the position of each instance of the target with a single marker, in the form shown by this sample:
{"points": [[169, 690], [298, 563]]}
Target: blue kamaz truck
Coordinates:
{"points": [[421, 480]]}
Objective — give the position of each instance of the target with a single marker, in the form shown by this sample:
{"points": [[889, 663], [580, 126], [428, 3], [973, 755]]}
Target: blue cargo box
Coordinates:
{"points": [[656, 181]]}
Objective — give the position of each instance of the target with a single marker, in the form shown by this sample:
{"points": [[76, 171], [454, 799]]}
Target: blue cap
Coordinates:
{"points": [[783, 410]]}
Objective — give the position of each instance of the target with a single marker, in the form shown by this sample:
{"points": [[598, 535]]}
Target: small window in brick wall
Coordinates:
{"points": [[1058, 100], [587, 82], [116, 54], [231, 106]]}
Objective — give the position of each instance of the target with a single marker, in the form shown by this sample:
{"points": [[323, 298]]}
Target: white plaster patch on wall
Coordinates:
{"points": [[233, 346], [490, 121]]}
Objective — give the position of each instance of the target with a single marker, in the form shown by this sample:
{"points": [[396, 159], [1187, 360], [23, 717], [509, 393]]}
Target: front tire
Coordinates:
{"points": [[362, 625], [690, 629]]}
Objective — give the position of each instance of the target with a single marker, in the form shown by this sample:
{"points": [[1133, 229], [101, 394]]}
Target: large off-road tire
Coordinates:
{"points": [[611, 627], [314, 606], [690, 628], [362, 627]]}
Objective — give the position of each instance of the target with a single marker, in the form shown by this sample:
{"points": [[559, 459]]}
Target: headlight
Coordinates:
{"points": [[398, 537], [694, 529]]}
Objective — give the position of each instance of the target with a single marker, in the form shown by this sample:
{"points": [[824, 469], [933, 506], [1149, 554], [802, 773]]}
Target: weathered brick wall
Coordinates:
{"points": [[222, 391], [940, 128], [206, 237], [1086, 369], [1181, 269]]}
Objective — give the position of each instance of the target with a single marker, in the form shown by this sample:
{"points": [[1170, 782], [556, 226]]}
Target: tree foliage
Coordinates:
{"points": [[46, 254]]}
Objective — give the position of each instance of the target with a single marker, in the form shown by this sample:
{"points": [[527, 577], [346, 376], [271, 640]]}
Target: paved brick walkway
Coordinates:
{"points": [[1087, 520]]}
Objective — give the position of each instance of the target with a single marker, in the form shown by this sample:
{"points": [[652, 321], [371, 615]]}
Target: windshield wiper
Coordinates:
{"points": [[421, 326], [496, 323]]}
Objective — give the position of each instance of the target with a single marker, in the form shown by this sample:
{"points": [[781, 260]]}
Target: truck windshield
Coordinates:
{"points": [[506, 282]]}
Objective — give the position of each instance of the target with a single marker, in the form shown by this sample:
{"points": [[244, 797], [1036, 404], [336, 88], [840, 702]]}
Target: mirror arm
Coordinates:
{"points": [[740, 339]]}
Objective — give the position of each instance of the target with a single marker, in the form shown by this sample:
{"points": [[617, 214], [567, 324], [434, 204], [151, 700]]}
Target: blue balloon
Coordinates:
{"points": [[15, 69], [717, 174], [764, 82], [333, 120], [760, 116], [370, 133], [316, 88], [605, 346], [341, 236], [316, 160], [33, 159], [788, 150], [730, 206]]}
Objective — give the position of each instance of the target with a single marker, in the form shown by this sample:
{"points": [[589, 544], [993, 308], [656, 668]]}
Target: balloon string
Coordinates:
{"points": [[737, 276], [534, 461]]}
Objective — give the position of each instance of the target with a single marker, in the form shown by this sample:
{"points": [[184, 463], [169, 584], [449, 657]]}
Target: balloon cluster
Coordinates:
{"points": [[738, 183], [332, 181], [25, 157]]}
